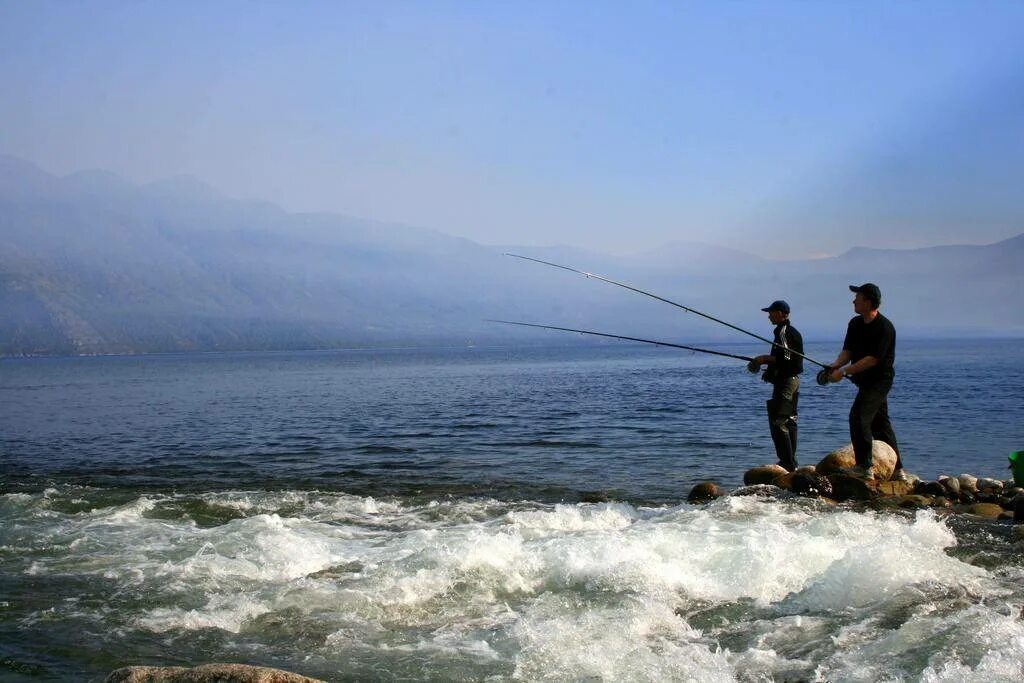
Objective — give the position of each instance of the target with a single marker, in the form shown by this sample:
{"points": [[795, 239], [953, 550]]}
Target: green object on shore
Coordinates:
{"points": [[1017, 465]]}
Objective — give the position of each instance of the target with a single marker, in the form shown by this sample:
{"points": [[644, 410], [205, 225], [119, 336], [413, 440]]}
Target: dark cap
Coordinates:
{"points": [[779, 305], [870, 291]]}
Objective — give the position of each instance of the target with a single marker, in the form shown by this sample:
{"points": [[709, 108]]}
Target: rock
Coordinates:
{"points": [[850, 488], [765, 474], [969, 483], [952, 485], [986, 510], [784, 481], [895, 488], [1018, 510], [207, 673], [883, 460], [810, 484], [990, 485], [914, 501], [705, 491], [1014, 491], [761, 491], [807, 469], [930, 488], [942, 502], [1018, 533]]}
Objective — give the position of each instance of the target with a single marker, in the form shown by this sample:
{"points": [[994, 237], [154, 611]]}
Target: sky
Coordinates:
{"points": [[789, 129]]}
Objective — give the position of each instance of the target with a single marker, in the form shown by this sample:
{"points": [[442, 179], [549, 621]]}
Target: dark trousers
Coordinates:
{"points": [[782, 419], [869, 420]]}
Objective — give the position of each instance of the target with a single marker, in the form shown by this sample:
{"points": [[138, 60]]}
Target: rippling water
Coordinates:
{"points": [[489, 514]]}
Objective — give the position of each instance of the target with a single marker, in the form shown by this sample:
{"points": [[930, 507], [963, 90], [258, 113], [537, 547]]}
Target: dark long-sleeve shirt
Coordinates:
{"points": [[787, 339]]}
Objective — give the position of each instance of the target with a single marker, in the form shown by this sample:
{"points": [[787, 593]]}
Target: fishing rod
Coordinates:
{"points": [[619, 336], [667, 301]]}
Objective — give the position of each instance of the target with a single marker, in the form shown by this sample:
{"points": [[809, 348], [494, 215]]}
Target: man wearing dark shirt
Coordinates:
{"points": [[870, 350], [783, 368]]}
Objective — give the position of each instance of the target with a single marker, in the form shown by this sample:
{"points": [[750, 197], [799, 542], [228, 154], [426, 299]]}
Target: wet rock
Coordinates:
{"points": [[883, 460], [894, 488], [850, 488], [207, 673], [988, 497], [942, 502], [968, 483], [930, 488], [765, 474], [952, 485], [914, 501], [810, 484], [990, 485], [705, 491], [1014, 491], [761, 491], [986, 510]]}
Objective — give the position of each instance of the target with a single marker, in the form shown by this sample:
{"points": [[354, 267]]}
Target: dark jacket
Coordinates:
{"points": [[787, 364]]}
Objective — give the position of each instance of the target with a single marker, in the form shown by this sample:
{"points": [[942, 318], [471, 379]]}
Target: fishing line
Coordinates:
{"points": [[667, 301], [619, 336]]}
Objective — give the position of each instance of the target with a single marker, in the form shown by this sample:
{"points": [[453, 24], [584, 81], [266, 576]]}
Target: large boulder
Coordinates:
{"points": [[207, 673], [883, 460], [765, 474]]}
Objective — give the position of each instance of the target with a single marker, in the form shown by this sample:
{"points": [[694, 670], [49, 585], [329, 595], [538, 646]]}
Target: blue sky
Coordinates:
{"points": [[788, 129]]}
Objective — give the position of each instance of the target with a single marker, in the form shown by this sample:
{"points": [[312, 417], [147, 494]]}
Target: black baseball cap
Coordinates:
{"points": [[779, 305], [870, 291]]}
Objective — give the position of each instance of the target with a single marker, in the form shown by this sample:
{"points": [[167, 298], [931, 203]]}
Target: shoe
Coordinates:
{"points": [[859, 472], [900, 475]]}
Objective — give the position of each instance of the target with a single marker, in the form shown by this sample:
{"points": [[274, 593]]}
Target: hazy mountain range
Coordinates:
{"points": [[90, 263]]}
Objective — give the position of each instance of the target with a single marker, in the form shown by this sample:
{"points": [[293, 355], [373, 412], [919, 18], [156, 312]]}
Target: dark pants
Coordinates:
{"points": [[869, 420], [782, 419]]}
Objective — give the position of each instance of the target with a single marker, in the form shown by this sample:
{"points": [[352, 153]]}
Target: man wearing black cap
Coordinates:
{"points": [[870, 350], [782, 372]]}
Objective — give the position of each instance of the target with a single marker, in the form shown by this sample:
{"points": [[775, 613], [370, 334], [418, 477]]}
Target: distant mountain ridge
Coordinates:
{"points": [[91, 263]]}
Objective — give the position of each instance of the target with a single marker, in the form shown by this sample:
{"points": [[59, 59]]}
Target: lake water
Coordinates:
{"points": [[473, 514]]}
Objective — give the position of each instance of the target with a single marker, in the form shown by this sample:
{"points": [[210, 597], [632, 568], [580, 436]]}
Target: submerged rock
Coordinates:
{"points": [[705, 491], [207, 673]]}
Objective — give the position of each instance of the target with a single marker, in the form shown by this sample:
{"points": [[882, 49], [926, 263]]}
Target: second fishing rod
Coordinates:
{"points": [[671, 303]]}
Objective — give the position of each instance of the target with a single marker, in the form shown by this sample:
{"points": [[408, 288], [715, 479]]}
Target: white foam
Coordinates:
{"points": [[605, 591]]}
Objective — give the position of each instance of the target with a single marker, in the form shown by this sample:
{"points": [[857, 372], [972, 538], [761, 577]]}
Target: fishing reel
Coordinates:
{"points": [[753, 366], [824, 376]]}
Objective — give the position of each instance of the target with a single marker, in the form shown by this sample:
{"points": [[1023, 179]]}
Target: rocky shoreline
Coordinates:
{"points": [[982, 497]]}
